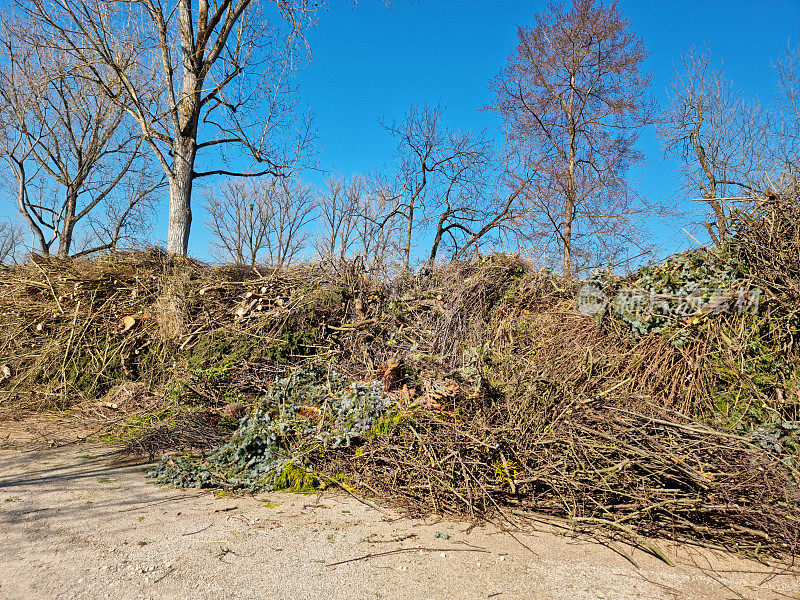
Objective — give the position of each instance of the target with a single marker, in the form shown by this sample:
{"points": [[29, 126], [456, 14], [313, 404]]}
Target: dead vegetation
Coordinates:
{"points": [[507, 403]]}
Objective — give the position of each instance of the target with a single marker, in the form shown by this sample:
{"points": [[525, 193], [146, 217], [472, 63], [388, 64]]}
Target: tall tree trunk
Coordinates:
{"points": [[711, 190], [180, 199], [569, 215], [717, 207], [184, 145], [569, 203], [68, 226], [439, 235], [407, 250], [722, 221]]}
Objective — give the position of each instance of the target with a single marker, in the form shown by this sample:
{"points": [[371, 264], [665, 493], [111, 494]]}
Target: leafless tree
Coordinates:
{"points": [[61, 134], [263, 220], [722, 138], [210, 75], [446, 187], [500, 215], [339, 210], [572, 97], [127, 221], [787, 127], [434, 166], [358, 220], [10, 241], [378, 230]]}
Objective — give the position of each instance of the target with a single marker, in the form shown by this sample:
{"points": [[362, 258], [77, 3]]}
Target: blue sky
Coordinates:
{"points": [[372, 61]]}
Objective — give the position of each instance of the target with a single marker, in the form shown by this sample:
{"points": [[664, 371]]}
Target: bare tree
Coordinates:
{"points": [[426, 154], [445, 188], [293, 207], [17, 140], [358, 220], [377, 228], [193, 77], [127, 221], [340, 207], [60, 133], [260, 220], [235, 223], [501, 214], [10, 241], [572, 97], [787, 128], [721, 138], [449, 191]]}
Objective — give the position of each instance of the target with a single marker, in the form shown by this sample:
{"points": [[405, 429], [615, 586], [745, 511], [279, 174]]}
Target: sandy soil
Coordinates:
{"points": [[75, 522]]}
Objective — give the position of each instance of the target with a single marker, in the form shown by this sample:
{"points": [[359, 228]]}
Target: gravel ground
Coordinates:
{"points": [[77, 523]]}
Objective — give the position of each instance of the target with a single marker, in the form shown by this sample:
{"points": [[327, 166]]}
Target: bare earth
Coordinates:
{"points": [[75, 522]]}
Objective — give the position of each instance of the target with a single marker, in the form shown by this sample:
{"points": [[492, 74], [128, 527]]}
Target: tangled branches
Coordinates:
{"points": [[629, 473]]}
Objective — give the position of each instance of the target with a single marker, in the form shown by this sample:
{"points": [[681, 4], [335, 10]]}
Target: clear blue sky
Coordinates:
{"points": [[372, 61]]}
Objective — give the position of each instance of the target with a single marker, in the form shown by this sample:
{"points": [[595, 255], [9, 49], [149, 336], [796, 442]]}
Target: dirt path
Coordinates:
{"points": [[76, 524]]}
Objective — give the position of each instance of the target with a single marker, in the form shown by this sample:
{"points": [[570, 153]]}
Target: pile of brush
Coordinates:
{"points": [[506, 401], [591, 466]]}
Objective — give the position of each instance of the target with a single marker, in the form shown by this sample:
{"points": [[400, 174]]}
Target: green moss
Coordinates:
{"points": [[506, 472], [746, 382], [220, 493], [342, 480], [292, 345], [213, 357], [295, 479], [212, 374], [213, 354], [389, 421]]}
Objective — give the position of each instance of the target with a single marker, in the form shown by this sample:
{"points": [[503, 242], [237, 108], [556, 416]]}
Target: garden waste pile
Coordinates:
{"points": [[480, 389]]}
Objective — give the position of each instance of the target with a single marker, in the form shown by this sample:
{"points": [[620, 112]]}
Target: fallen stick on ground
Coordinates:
{"points": [[402, 550]]}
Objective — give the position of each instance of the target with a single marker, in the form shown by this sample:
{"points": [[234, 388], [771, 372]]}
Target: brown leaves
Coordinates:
{"points": [[314, 413], [126, 323], [391, 374], [234, 410], [438, 392]]}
